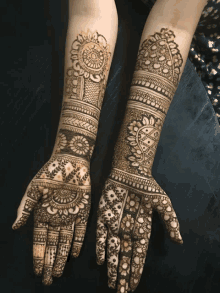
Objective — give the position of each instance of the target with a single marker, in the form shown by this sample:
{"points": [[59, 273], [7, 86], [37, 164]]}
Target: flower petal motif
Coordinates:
{"points": [[90, 53], [113, 260], [127, 223], [79, 145], [142, 138], [110, 195], [124, 266], [61, 142], [132, 203], [145, 121]]}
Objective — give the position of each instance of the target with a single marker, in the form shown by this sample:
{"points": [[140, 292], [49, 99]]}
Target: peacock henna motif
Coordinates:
{"points": [[131, 194]]}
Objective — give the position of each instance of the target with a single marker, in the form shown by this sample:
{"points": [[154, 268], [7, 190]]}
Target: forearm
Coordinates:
{"points": [[90, 43], [162, 55]]}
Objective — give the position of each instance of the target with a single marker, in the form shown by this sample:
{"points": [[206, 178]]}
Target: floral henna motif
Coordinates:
{"points": [[112, 259], [143, 140], [84, 91], [131, 194], [60, 193], [130, 230], [60, 197]]}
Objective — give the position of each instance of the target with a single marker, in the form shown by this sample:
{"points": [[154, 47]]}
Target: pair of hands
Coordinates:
{"points": [[60, 195]]}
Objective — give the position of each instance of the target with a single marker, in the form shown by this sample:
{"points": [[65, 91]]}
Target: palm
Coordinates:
{"points": [[124, 220], [60, 197]]}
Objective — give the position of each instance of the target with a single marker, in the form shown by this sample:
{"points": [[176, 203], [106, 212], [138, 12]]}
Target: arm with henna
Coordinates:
{"points": [[131, 194], [60, 192]]}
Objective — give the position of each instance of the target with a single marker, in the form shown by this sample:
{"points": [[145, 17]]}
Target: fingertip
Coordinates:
{"points": [[100, 261], [74, 254], [47, 281], [38, 267], [180, 241], [16, 225], [47, 278], [57, 274], [111, 285], [75, 251], [176, 238]]}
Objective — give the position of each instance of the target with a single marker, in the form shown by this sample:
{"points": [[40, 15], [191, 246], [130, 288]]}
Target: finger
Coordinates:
{"points": [[113, 248], [101, 236], [126, 228], [124, 264], [79, 234], [65, 240], [28, 202], [141, 234], [50, 254], [39, 246], [165, 209]]}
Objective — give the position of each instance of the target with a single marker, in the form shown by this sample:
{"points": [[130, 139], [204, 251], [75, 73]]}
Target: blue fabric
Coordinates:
{"points": [[186, 162]]}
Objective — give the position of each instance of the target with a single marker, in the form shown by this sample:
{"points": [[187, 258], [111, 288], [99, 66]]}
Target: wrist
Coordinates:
{"points": [[74, 144]]}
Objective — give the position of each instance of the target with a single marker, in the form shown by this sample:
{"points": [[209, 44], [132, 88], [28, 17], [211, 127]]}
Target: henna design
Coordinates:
{"points": [[65, 239], [60, 197], [131, 194], [143, 140], [84, 91], [60, 193]]}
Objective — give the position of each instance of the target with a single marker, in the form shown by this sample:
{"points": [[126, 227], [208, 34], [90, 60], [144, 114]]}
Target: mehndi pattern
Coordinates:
{"points": [[60, 193], [131, 194]]}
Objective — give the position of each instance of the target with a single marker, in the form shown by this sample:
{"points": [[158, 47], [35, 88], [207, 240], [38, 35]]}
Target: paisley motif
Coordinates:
{"points": [[143, 142]]}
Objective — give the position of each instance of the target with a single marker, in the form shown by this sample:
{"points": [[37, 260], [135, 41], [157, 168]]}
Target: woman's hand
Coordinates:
{"points": [[61, 198], [124, 220]]}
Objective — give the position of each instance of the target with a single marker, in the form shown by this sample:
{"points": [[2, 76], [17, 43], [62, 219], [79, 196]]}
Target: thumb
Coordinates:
{"points": [[28, 202], [166, 211]]}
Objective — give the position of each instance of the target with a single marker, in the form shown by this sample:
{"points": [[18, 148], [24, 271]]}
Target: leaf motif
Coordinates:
{"points": [[65, 212], [130, 138], [135, 164], [133, 143], [145, 121], [172, 45], [152, 120], [131, 158]]}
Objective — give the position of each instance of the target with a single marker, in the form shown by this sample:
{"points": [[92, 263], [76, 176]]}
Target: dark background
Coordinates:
{"points": [[186, 165]]}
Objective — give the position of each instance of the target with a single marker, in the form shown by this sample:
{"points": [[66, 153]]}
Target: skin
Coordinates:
{"points": [[60, 194], [131, 194]]}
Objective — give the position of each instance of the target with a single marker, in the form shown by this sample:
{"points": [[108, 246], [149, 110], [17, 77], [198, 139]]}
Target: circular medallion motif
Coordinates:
{"points": [[79, 145], [90, 56]]}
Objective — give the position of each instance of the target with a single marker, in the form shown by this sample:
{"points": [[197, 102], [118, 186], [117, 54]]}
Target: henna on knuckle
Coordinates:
{"points": [[131, 193]]}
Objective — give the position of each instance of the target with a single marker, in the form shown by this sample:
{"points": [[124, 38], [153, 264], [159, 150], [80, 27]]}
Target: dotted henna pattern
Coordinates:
{"points": [[131, 194]]}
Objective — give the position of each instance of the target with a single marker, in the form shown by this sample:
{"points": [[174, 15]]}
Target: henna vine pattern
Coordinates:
{"points": [[124, 221], [60, 193], [60, 197], [131, 194]]}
